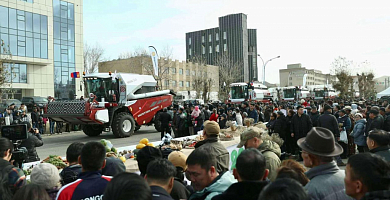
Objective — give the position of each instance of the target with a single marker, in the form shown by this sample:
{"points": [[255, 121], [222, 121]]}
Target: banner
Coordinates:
{"points": [[153, 54]]}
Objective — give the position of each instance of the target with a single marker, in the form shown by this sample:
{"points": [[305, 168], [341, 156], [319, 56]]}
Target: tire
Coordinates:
{"points": [[123, 125], [157, 123], [92, 130], [137, 128]]}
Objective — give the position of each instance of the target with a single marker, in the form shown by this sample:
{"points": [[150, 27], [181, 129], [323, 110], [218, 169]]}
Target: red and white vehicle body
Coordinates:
{"points": [[121, 102], [255, 91]]}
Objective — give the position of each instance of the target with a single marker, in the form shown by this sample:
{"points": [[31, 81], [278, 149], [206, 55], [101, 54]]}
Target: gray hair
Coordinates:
{"points": [[45, 175]]}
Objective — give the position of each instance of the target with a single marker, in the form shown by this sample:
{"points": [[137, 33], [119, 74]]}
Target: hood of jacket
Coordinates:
{"points": [[218, 186], [361, 121], [269, 145], [354, 106]]}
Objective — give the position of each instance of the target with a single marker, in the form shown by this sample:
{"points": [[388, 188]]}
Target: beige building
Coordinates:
{"points": [[45, 38], [182, 77], [382, 83], [293, 76]]}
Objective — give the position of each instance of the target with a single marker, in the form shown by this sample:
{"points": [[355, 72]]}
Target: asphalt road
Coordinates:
{"points": [[57, 144]]}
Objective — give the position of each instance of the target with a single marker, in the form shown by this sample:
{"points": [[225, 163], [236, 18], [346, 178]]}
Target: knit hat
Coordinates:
{"points": [[178, 159], [45, 175], [211, 128]]}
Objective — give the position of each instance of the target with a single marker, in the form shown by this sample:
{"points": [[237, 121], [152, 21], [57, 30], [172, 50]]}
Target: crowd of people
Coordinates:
{"points": [[320, 138]]}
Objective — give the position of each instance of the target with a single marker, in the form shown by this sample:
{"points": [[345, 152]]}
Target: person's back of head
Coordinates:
{"points": [[46, 175], [73, 152], [161, 173], [292, 169], [366, 173], [145, 156], [32, 192], [6, 148], [127, 186], [378, 138], [93, 156], [284, 189], [251, 166]]}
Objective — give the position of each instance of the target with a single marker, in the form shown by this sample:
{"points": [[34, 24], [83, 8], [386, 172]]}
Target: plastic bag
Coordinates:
{"points": [[343, 137]]}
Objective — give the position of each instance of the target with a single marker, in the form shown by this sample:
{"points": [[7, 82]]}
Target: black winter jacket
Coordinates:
{"points": [[376, 123], [165, 118], [327, 120], [33, 140], [314, 118], [300, 126], [386, 125], [280, 126]]}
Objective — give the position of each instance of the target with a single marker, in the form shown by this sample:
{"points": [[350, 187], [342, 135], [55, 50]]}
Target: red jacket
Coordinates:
{"points": [[214, 117]]}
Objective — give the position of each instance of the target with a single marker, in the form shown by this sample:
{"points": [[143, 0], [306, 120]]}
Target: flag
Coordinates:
{"points": [[75, 75], [153, 54]]}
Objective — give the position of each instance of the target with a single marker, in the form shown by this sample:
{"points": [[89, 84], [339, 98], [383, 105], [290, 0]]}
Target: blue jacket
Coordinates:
{"points": [[346, 122], [358, 133], [218, 186], [253, 114]]}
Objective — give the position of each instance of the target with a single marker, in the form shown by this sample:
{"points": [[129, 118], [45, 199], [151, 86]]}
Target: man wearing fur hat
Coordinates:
{"points": [[252, 138]]}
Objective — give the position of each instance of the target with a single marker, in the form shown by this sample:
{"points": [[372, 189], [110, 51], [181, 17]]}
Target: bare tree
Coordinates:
{"points": [[229, 72], [199, 82], [6, 67], [341, 68], [92, 56]]}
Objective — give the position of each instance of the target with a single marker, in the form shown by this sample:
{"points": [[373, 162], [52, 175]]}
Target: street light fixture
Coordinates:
{"points": [[264, 64]]}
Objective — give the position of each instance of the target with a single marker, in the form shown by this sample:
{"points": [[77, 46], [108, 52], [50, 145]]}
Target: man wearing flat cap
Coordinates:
{"points": [[326, 178], [376, 122], [210, 133]]}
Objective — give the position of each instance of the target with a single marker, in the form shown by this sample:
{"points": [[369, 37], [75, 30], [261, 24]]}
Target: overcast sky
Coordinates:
{"points": [[310, 32]]}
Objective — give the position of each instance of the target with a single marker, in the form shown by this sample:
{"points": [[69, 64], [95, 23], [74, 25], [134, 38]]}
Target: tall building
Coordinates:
{"points": [[231, 37], [183, 77], [45, 40], [293, 76]]}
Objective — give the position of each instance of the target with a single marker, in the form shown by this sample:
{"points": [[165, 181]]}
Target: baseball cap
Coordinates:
{"points": [[211, 127], [178, 159], [249, 134], [327, 107]]}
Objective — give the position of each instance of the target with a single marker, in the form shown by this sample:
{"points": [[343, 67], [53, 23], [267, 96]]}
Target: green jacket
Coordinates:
{"points": [[271, 151], [218, 186], [219, 151]]}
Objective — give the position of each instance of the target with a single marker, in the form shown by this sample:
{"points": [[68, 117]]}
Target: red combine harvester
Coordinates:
{"points": [[121, 102]]}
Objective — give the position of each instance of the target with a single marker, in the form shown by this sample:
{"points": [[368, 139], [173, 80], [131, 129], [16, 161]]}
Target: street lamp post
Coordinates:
{"points": [[264, 64]]}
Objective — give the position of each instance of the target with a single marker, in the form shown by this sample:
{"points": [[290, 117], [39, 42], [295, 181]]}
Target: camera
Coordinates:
{"points": [[16, 133]]}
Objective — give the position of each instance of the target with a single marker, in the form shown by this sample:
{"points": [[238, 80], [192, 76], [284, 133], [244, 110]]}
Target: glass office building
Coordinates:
{"points": [[44, 40]]}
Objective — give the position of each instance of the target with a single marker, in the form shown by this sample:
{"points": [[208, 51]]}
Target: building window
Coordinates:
{"points": [[187, 84], [181, 84], [290, 78], [217, 48], [15, 73], [203, 50], [173, 70], [24, 32], [28, 1], [193, 73], [217, 36], [189, 41], [180, 71], [167, 83], [224, 35], [173, 83], [210, 37], [210, 49], [64, 49], [189, 53], [203, 38], [187, 72], [224, 47], [290, 84]]}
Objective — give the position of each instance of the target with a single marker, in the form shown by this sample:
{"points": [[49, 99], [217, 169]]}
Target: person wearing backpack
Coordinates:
{"points": [[11, 178]]}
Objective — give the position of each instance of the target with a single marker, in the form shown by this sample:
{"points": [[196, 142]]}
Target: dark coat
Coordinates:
{"points": [[314, 118], [34, 117], [254, 115], [158, 193], [165, 118], [179, 190], [217, 150], [376, 123], [280, 126], [346, 123], [300, 126], [245, 190], [222, 123], [384, 152], [329, 121], [30, 143], [386, 125]]}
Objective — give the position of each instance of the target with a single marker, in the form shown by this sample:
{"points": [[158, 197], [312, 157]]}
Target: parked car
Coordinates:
{"points": [[31, 101], [7, 102]]}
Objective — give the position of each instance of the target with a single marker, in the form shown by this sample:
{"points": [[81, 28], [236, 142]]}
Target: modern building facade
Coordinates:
{"points": [[182, 77], [233, 38], [293, 76], [45, 41]]}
